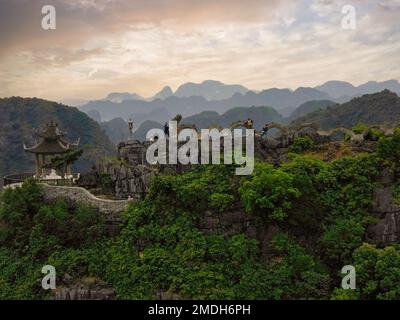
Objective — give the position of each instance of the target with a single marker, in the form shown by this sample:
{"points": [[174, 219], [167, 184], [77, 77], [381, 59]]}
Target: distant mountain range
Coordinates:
{"points": [[283, 100], [341, 90], [118, 97], [377, 108], [210, 90], [191, 98], [216, 90]]}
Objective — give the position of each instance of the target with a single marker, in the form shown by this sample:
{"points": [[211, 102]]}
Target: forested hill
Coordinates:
{"points": [[19, 117], [309, 107], [378, 108]]}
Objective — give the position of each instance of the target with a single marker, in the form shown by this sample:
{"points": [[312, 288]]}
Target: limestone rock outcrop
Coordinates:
{"points": [[129, 181], [84, 292], [132, 152], [237, 221], [387, 230]]}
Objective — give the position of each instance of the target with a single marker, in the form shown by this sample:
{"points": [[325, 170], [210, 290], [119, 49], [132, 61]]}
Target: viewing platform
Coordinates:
{"points": [[50, 179]]}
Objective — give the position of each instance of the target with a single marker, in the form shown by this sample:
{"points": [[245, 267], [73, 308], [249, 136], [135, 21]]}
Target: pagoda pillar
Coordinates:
{"points": [[43, 162], [69, 171], [37, 166]]}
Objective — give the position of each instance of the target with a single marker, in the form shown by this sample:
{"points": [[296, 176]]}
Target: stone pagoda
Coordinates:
{"points": [[51, 144]]}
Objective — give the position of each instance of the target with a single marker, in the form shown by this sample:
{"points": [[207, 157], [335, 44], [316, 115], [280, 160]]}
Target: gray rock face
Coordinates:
{"points": [[387, 230], [88, 288], [83, 292], [130, 174], [229, 223], [270, 150], [132, 152], [129, 181], [163, 295], [238, 221]]}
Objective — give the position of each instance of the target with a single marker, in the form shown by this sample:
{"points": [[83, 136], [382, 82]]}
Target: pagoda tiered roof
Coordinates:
{"points": [[51, 141]]}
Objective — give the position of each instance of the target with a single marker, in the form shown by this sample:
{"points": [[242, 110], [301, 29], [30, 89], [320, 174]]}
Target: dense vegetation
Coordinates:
{"points": [[321, 210]]}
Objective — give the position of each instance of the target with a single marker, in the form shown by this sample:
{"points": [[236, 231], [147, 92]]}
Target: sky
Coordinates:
{"points": [[140, 46]]}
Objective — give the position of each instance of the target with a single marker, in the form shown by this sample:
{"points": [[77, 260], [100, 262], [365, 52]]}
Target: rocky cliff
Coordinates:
{"points": [[387, 230]]}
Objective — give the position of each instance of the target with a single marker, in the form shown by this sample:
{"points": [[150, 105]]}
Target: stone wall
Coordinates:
{"points": [[73, 195]]}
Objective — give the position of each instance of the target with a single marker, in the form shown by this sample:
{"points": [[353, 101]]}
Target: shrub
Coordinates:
{"points": [[340, 239], [360, 128], [301, 144], [269, 191]]}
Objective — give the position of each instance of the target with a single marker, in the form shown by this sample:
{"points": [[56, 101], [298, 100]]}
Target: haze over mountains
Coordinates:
{"points": [[283, 100], [118, 97], [190, 99], [341, 90], [209, 89]]}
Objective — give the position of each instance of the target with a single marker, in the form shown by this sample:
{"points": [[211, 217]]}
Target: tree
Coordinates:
{"points": [[269, 191], [301, 144], [378, 273], [339, 241]]}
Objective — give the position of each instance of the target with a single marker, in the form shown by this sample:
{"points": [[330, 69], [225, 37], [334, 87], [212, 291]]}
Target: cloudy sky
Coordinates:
{"points": [[142, 45]]}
